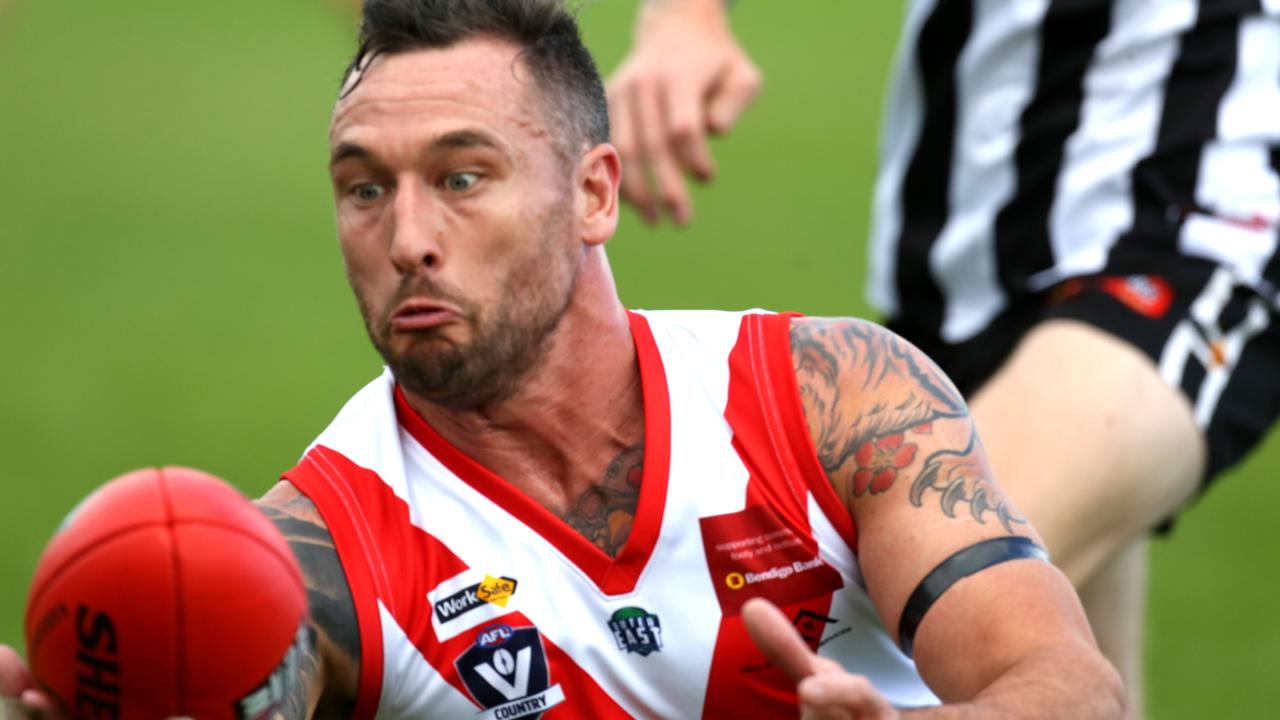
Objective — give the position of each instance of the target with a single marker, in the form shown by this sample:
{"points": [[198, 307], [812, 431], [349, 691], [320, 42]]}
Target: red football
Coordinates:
{"points": [[166, 593]]}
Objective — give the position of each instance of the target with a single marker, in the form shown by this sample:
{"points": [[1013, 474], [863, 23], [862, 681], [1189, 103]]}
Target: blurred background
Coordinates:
{"points": [[172, 291]]}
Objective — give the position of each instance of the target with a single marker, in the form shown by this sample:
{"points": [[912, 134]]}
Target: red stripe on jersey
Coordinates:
{"points": [[320, 479], [788, 424], [384, 556], [387, 558], [614, 576], [764, 411]]}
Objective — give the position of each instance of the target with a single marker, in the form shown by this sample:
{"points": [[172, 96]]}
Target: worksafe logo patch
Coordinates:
{"points": [[491, 590], [507, 674], [496, 590], [636, 631]]}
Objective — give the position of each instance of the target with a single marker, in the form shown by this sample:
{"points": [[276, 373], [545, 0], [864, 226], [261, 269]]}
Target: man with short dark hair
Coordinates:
{"points": [[551, 504]]}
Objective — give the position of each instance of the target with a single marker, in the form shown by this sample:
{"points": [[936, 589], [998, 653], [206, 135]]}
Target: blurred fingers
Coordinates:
{"points": [[14, 675], [656, 151], [842, 696], [635, 179], [778, 639], [40, 706], [686, 122], [735, 92]]}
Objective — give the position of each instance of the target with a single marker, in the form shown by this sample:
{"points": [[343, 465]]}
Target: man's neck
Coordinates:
{"points": [[577, 414]]}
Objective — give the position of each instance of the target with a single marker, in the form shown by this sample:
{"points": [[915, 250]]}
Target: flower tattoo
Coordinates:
{"points": [[878, 462]]}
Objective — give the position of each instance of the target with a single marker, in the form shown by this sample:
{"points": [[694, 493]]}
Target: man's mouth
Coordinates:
{"points": [[415, 315]]}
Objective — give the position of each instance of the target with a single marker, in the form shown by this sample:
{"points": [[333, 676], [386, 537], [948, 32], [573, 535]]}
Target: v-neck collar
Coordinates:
{"points": [[614, 576]]}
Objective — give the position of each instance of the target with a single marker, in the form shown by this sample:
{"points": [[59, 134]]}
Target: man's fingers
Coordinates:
{"points": [[651, 129], [40, 705], [842, 695], [687, 127], [635, 180], [14, 675], [777, 638], [734, 93]]}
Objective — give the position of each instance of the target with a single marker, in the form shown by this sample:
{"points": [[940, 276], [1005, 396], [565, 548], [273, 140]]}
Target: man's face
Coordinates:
{"points": [[455, 216]]}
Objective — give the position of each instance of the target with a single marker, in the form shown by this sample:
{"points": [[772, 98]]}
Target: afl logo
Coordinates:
{"points": [[494, 636], [735, 581]]}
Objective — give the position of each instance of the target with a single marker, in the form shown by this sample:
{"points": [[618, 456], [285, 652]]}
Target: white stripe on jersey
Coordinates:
{"points": [[995, 80], [1237, 182], [410, 686], [1124, 97], [899, 134], [861, 627]]}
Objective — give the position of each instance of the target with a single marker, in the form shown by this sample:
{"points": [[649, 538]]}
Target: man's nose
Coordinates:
{"points": [[415, 240]]}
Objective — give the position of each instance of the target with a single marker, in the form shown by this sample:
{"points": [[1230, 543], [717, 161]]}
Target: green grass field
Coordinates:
{"points": [[173, 294]]}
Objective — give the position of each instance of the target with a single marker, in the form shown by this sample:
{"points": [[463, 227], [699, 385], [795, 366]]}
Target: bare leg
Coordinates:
{"points": [[1096, 449], [1115, 599]]}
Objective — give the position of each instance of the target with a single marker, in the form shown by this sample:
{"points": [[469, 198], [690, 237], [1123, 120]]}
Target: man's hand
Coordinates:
{"points": [[825, 690], [18, 691], [686, 76]]}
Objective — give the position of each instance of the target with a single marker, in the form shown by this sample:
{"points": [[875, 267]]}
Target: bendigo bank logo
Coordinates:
{"points": [[636, 630], [495, 591], [737, 580], [507, 674]]}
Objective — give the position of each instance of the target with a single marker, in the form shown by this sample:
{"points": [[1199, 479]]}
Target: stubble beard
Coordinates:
{"points": [[506, 342]]}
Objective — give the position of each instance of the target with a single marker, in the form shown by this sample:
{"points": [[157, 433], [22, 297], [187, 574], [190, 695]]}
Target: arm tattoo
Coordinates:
{"points": [[869, 398], [962, 478], [912, 394], [604, 513], [332, 610]]}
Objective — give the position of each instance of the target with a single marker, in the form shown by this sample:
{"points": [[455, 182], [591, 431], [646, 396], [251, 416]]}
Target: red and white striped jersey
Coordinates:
{"points": [[473, 599]]}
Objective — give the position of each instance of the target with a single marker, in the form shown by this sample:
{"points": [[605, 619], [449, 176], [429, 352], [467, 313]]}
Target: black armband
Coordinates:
{"points": [[963, 563]]}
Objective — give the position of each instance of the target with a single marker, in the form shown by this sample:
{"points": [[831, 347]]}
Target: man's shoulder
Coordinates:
{"points": [[867, 361]]}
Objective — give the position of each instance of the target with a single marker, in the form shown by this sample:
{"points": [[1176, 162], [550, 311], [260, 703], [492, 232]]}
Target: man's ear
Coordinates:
{"points": [[599, 174]]}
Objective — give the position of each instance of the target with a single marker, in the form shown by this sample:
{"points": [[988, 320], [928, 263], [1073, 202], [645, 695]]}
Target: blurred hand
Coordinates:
{"points": [[825, 690], [685, 77], [18, 693]]}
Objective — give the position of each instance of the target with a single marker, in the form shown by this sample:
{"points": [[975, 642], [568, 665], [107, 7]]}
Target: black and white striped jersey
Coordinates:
{"points": [[1031, 141]]}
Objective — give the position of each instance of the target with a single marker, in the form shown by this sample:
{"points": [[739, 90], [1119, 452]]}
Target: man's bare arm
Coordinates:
{"points": [[898, 446], [329, 675]]}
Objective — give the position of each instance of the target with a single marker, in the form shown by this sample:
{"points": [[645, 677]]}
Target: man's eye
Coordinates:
{"points": [[460, 181], [367, 192]]}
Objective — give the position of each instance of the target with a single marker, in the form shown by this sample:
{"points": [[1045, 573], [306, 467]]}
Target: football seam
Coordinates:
{"points": [[98, 542], [180, 616]]}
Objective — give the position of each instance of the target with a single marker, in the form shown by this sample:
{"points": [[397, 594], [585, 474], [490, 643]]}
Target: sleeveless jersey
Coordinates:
{"points": [[475, 601]]}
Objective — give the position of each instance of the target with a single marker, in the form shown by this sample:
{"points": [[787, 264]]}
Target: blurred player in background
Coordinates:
{"points": [[1075, 215], [548, 499]]}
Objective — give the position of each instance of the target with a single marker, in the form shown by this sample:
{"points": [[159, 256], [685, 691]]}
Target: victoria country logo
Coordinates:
{"points": [[636, 631], [507, 674], [495, 591]]}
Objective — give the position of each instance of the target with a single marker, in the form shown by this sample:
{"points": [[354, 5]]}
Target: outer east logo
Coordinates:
{"points": [[636, 630], [507, 674]]}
